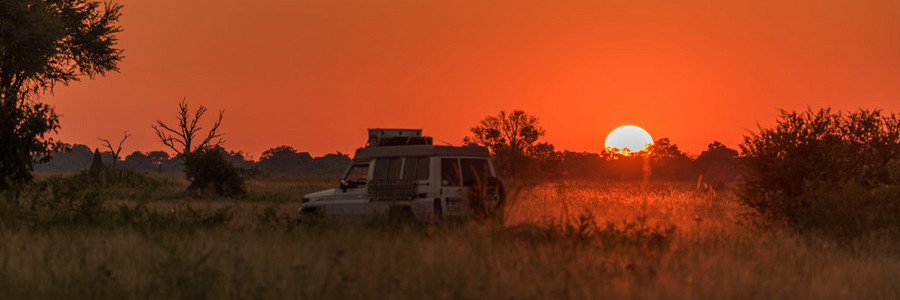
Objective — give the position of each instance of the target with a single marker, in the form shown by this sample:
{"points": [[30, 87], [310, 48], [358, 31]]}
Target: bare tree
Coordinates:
{"points": [[118, 149], [182, 138]]}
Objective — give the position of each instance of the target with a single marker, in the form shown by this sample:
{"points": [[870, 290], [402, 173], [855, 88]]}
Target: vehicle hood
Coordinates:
{"points": [[319, 195]]}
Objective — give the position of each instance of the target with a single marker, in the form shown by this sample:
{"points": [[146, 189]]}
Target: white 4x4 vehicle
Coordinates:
{"points": [[401, 174]]}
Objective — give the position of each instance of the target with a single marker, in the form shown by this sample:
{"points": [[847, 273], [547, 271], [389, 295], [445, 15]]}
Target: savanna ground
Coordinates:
{"points": [[136, 236]]}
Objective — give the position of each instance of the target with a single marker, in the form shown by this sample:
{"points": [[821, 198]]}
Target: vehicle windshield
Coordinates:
{"points": [[357, 175]]}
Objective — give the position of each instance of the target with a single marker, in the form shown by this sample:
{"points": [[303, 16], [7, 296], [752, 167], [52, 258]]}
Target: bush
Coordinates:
{"points": [[849, 209], [209, 167], [808, 166], [108, 182]]}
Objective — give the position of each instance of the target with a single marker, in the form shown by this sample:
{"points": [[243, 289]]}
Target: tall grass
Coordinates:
{"points": [[281, 188], [557, 240]]}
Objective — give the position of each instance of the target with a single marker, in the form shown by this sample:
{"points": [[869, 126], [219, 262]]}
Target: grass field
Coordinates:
{"points": [[574, 239]]}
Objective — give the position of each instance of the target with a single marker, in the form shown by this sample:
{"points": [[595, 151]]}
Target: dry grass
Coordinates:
{"points": [[557, 240]]}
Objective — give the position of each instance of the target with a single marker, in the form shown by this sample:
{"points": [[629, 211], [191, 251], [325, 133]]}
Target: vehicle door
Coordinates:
{"points": [[418, 170], [475, 175], [385, 180], [452, 195], [352, 196]]}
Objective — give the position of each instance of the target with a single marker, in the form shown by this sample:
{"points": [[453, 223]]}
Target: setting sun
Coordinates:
{"points": [[629, 138]]}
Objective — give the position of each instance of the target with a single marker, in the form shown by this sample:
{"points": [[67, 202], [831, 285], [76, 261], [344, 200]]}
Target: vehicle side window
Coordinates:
{"points": [[381, 168], [416, 168], [357, 174], [387, 168], [409, 167], [475, 171], [450, 172], [394, 171], [423, 168]]}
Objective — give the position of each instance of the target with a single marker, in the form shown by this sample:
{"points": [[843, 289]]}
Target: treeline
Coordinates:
{"points": [[278, 160], [661, 161], [513, 140]]}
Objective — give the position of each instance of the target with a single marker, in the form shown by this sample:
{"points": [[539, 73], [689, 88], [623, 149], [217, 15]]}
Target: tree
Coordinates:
{"points": [[511, 139], [330, 164], [115, 152], [137, 160], [283, 159], [181, 139], [157, 158], [239, 159], [618, 165], [546, 159], [205, 163], [718, 163], [44, 43], [813, 167], [582, 165], [667, 161], [67, 159], [207, 167]]}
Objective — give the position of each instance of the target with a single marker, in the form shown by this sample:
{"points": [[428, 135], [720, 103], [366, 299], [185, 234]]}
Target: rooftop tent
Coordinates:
{"points": [[379, 137]]}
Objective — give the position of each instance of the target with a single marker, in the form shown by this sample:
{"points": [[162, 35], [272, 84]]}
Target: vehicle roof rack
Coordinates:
{"points": [[380, 137]]}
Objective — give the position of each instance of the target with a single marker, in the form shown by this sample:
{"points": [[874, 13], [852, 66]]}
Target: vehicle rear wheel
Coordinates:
{"points": [[487, 199]]}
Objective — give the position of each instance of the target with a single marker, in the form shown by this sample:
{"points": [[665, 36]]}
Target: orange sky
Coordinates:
{"points": [[316, 74]]}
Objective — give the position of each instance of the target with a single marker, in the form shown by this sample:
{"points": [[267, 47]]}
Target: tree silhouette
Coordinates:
{"points": [[511, 138], [181, 139], [718, 163], [115, 152], [44, 43], [667, 161], [825, 169], [157, 158], [332, 163], [283, 159]]}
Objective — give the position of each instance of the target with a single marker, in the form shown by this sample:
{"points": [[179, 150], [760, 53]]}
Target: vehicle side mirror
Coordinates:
{"points": [[343, 185]]}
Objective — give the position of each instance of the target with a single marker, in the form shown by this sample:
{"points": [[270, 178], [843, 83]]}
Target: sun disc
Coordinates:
{"points": [[629, 138]]}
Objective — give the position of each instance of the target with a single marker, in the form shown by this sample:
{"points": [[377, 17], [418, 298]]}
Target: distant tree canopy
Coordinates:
{"points": [[44, 43], [68, 159], [274, 161], [283, 159], [512, 140], [139, 161], [287, 160], [540, 160], [718, 163], [331, 163], [667, 161]]}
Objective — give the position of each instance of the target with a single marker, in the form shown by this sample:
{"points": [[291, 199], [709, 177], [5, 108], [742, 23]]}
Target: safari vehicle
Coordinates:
{"points": [[400, 173]]}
